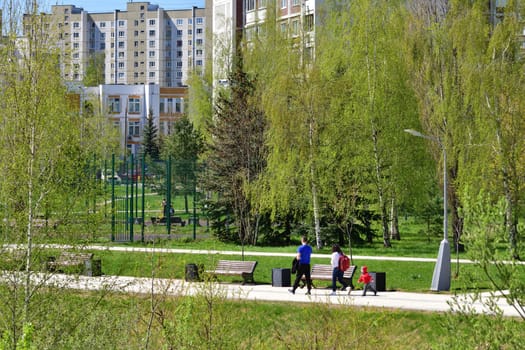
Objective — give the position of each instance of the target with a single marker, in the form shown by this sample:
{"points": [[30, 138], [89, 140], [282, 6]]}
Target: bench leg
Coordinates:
{"points": [[247, 277]]}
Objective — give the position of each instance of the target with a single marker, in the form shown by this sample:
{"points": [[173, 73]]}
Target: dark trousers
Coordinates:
{"points": [[369, 286], [337, 275], [303, 270]]}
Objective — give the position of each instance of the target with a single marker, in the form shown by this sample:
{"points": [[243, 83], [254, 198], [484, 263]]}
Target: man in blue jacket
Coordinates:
{"points": [[303, 255]]}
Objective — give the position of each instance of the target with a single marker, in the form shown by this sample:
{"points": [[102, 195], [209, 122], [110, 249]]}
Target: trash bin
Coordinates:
{"points": [[380, 280], [281, 278], [192, 273]]}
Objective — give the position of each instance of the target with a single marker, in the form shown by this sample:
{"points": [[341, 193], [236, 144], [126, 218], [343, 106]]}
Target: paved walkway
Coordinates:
{"points": [[431, 301], [436, 302]]}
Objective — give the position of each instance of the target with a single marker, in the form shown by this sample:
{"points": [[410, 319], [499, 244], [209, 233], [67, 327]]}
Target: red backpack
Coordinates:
{"points": [[344, 262]]}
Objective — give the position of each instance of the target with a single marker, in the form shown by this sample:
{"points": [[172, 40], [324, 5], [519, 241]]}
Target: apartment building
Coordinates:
{"points": [[144, 44], [233, 20]]}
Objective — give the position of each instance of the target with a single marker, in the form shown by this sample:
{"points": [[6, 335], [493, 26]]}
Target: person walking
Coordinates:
{"points": [[367, 280], [337, 272], [303, 255]]}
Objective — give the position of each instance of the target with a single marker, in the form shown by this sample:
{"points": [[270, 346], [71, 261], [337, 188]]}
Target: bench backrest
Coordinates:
{"points": [[324, 269], [74, 257], [236, 265]]}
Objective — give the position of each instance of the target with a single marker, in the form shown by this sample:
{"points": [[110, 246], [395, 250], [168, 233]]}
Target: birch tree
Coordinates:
{"points": [[46, 145]]}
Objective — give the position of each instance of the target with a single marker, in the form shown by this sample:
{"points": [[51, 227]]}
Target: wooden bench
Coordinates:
{"points": [[174, 220], [244, 269], [81, 263], [323, 272]]}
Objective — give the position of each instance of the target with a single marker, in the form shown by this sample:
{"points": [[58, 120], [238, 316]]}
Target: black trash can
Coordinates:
{"points": [[281, 278], [380, 280], [192, 273]]}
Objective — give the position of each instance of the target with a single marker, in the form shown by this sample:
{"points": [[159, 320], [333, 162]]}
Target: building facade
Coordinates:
{"points": [[144, 44], [128, 107]]}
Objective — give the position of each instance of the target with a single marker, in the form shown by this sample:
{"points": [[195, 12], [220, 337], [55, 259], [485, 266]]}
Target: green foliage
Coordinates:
{"points": [[94, 75], [150, 142], [237, 152], [484, 233]]}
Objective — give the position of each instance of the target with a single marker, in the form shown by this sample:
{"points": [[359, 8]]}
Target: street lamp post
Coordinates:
{"points": [[441, 277]]}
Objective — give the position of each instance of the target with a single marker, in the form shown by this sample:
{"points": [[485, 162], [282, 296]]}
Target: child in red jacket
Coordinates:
{"points": [[367, 280]]}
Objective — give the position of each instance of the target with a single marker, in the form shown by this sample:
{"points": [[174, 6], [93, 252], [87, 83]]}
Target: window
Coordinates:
{"points": [[249, 5], [151, 22], [200, 20], [295, 27], [262, 4], [151, 33], [152, 64], [121, 23], [180, 21], [114, 104], [76, 25], [179, 64], [179, 32], [121, 44], [190, 31], [136, 22], [199, 62], [121, 34], [134, 105], [121, 55], [284, 3], [190, 21], [121, 65], [179, 43], [102, 36], [199, 41], [102, 24], [76, 45], [152, 44], [309, 23], [121, 75], [179, 53], [151, 53], [198, 52], [295, 3], [179, 74], [102, 46], [189, 42], [134, 128], [76, 35], [152, 74], [75, 55], [178, 104], [199, 30]]}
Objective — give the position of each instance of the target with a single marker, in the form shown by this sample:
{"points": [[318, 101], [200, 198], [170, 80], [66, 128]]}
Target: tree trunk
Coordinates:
{"points": [[315, 200], [380, 193], [394, 222]]}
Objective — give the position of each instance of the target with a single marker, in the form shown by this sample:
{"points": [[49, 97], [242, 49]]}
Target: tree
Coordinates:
{"points": [[499, 124], [150, 144], [237, 154], [94, 74], [46, 144], [184, 145]]}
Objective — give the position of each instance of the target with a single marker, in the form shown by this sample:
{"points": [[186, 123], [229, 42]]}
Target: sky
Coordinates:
{"points": [[111, 5]]}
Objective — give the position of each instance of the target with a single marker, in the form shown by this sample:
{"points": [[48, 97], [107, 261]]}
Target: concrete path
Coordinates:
{"points": [[436, 302], [431, 301]]}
